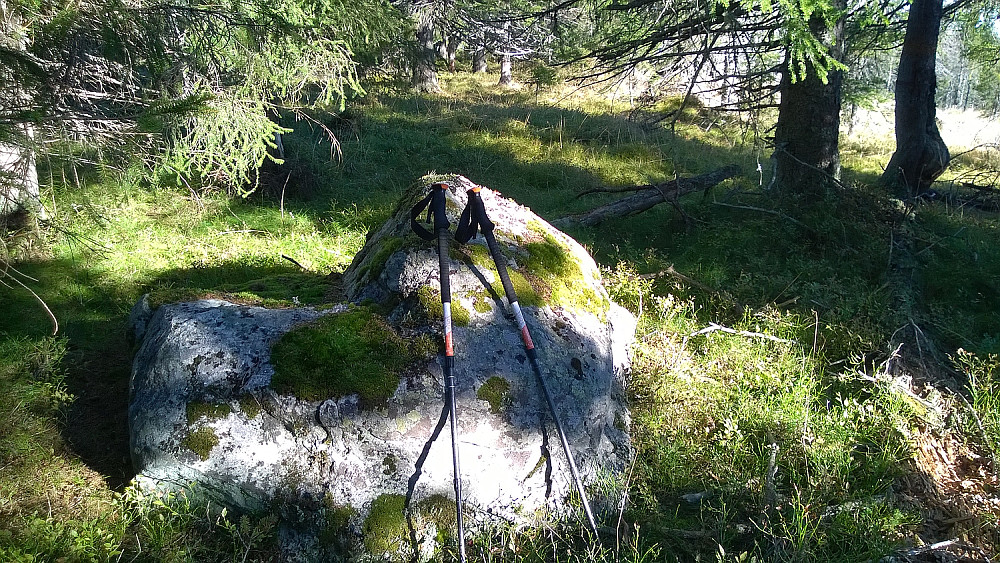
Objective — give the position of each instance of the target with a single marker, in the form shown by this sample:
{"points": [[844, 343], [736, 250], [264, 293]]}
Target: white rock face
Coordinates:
{"points": [[314, 458]]}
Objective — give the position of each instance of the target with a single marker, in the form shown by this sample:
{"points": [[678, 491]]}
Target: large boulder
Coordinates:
{"points": [[329, 414]]}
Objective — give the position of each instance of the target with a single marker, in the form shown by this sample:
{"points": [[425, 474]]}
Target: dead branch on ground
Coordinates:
{"points": [[649, 196]]}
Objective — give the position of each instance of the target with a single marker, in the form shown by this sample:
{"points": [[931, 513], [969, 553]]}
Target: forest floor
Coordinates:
{"points": [[864, 428]]}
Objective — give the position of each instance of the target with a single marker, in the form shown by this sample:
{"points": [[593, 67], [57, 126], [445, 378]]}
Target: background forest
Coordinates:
{"points": [[816, 373]]}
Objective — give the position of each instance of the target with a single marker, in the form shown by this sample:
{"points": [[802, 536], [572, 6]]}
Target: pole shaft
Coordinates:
{"points": [[444, 270], [491, 242]]}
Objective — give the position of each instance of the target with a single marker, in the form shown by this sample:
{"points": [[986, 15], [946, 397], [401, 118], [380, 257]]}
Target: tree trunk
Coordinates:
{"points": [[806, 138], [479, 60], [19, 193], [921, 155], [424, 70], [506, 70], [453, 42]]}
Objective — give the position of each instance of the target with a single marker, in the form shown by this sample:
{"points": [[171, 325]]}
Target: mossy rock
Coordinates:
{"points": [[373, 265], [341, 354], [336, 532], [430, 300], [441, 511], [275, 292], [250, 406], [557, 275]]}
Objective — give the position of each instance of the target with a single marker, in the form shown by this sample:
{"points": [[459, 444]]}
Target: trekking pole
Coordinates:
{"points": [[436, 199], [474, 218]]}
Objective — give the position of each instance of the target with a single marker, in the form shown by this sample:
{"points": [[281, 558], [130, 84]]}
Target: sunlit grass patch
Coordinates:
{"points": [[744, 421]]}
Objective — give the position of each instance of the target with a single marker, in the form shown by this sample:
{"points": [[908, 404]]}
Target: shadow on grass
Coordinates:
{"points": [[540, 156]]}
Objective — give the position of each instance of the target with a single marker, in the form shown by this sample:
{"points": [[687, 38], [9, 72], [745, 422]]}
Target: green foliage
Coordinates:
{"points": [[707, 408], [710, 414], [223, 145], [354, 352]]}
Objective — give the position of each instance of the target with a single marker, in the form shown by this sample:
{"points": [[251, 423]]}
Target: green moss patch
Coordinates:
{"points": [[440, 510], [557, 276], [336, 531], [481, 303], [276, 292], [201, 442], [355, 352], [430, 300], [250, 406], [197, 410], [496, 392], [385, 529], [376, 263]]}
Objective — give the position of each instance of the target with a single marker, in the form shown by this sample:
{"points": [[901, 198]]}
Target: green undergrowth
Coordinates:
{"points": [[959, 279], [354, 352], [752, 442], [763, 317]]}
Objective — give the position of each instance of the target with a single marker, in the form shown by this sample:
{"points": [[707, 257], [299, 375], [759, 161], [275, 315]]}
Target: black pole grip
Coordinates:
{"points": [[438, 201]]}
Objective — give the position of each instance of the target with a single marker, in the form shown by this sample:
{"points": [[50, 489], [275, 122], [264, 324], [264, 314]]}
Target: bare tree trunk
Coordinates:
{"points": [[806, 138], [506, 70], [921, 155], [479, 60], [424, 69], [19, 191], [453, 42]]}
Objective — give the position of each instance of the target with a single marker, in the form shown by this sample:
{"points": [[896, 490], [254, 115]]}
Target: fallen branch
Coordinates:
{"points": [[45, 306], [712, 327], [293, 261], [649, 196]]}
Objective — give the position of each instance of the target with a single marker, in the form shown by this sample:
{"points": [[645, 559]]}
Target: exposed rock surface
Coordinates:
{"points": [[203, 409]]}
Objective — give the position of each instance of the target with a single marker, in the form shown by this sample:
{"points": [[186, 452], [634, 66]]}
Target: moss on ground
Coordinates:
{"points": [[385, 530], [354, 352], [276, 292], [496, 392], [201, 441]]}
